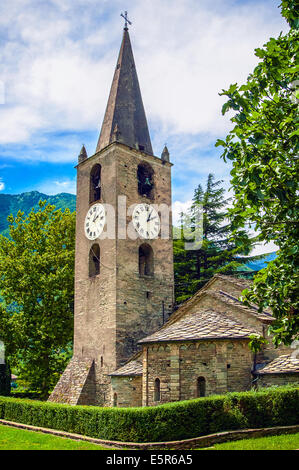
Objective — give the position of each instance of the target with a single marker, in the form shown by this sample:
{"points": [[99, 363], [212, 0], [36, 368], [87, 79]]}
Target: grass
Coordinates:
{"points": [[20, 439], [282, 442]]}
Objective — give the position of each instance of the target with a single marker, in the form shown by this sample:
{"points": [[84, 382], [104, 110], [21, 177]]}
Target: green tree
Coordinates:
{"points": [[263, 148], [218, 253], [36, 283]]}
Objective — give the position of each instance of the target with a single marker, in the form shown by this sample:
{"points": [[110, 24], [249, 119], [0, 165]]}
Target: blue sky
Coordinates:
{"points": [[57, 62]]}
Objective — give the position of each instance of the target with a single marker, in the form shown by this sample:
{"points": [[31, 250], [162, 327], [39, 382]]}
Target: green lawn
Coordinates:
{"points": [[283, 442], [19, 439]]}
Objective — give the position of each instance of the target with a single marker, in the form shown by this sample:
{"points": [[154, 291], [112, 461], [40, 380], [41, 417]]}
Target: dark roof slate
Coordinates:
{"points": [[125, 119], [131, 368], [200, 325], [285, 364]]}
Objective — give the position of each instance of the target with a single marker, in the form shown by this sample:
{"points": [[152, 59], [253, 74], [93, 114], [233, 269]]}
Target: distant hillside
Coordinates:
{"points": [[261, 263], [12, 203], [257, 263]]}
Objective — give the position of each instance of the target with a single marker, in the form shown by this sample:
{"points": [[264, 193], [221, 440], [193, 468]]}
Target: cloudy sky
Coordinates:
{"points": [[57, 62]]}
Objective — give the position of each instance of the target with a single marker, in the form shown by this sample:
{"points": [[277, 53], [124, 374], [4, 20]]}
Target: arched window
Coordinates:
{"points": [[115, 399], [94, 260], [157, 396], [146, 260], [145, 178], [201, 387], [95, 184]]}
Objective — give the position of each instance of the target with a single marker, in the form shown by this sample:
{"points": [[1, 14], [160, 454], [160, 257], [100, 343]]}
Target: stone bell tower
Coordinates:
{"points": [[123, 283]]}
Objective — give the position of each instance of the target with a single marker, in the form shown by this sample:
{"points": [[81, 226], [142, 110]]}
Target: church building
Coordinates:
{"points": [[131, 346]]}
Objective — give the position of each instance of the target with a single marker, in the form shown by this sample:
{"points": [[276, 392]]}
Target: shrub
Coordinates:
{"points": [[173, 421]]}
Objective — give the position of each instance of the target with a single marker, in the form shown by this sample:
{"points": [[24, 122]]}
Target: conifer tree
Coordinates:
{"points": [[218, 252]]}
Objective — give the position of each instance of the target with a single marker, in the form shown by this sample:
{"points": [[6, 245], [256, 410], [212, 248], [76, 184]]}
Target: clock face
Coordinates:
{"points": [[94, 221], [146, 221]]}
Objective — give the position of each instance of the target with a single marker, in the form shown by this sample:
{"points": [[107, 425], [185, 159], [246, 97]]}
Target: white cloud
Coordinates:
{"points": [[263, 248], [177, 208], [59, 56], [52, 187], [2, 185]]}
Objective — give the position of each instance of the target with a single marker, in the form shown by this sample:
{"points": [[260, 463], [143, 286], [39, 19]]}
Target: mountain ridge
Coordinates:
{"points": [[12, 203]]}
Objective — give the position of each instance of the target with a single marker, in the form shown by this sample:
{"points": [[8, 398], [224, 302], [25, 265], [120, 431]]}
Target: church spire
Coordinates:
{"points": [[125, 112]]}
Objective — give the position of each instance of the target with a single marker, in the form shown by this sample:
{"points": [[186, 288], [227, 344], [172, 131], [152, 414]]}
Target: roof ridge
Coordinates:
{"points": [[252, 307], [205, 324], [224, 297]]}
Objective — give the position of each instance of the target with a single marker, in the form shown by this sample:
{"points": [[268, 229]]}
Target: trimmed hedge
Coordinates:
{"points": [[173, 421]]}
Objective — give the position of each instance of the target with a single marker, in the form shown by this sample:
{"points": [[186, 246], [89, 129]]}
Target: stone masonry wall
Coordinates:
{"points": [[77, 376], [141, 300], [128, 391], [267, 380], [117, 307], [225, 366]]}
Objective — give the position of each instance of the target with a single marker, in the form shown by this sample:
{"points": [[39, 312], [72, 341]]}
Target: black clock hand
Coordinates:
{"points": [[149, 217], [152, 218]]}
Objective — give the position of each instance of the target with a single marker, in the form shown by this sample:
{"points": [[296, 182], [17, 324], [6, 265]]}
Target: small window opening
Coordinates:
{"points": [[102, 361], [94, 261], [115, 399], [201, 387], [145, 177], [95, 184], [148, 295], [157, 396], [146, 260], [228, 366], [141, 147]]}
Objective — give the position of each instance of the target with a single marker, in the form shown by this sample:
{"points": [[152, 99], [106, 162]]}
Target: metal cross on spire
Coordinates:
{"points": [[125, 16]]}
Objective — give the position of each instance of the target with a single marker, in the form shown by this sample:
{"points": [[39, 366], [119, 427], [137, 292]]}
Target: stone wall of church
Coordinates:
{"points": [[144, 302], [126, 391], [95, 297], [240, 314], [267, 380], [118, 306], [225, 366], [158, 366]]}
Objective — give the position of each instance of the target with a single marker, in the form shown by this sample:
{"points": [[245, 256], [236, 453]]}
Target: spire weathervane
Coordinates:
{"points": [[125, 16]]}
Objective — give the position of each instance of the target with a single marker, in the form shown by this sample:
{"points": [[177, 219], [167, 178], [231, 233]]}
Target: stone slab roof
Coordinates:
{"points": [[131, 368], [200, 325], [265, 315], [285, 364], [211, 290], [237, 281]]}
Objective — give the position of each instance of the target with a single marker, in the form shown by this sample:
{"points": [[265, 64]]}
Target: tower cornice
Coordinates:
{"points": [[140, 155]]}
